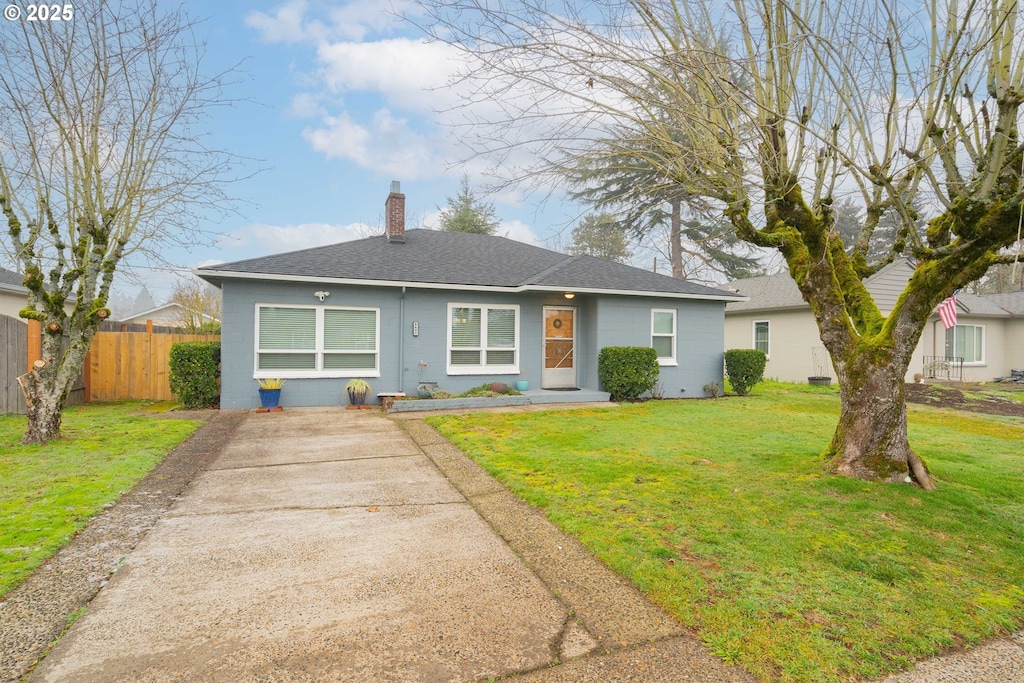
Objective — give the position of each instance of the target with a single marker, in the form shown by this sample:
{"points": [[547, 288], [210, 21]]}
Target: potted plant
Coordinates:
{"points": [[270, 393], [820, 378], [357, 391], [424, 387]]}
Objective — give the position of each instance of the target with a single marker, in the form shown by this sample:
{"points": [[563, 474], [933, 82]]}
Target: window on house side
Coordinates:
{"points": [[317, 341], [663, 335], [761, 339], [483, 339], [967, 342]]}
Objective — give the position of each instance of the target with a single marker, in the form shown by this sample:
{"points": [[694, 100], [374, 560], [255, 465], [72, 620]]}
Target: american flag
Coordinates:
{"points": [[947, 311]]}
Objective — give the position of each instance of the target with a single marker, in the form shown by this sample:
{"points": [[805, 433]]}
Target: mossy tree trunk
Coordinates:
{"points": [[870, 441]]}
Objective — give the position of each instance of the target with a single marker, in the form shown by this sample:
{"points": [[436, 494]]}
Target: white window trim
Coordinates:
{"points": [[319, 349], [753, 331], [671, 360], [984, 344], [482, 369]]}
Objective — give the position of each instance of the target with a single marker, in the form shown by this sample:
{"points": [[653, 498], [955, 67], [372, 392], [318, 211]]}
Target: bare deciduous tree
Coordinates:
{"points": [[199, 301], [901, 104], [100, 157]]}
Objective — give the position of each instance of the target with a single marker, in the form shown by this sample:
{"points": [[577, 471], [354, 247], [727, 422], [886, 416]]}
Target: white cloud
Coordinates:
{"points": [[286, 25], [518, 231], [387, 144], [301, 21], [260, 238], [354, 20], [306, 106], [408, 73]]}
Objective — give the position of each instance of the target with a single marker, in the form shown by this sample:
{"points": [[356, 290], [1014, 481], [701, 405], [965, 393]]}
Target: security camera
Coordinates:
{"points": [[321, 295]]}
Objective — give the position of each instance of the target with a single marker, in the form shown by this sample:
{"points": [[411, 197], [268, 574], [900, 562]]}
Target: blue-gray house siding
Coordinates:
{"points": [[602, 320]]}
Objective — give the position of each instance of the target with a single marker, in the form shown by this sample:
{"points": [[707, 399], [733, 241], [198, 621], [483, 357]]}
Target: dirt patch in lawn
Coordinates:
{"points": [[973, 398]]}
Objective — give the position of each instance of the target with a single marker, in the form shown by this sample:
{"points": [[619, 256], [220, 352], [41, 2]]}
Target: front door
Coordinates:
{"points": [[559, 348]]}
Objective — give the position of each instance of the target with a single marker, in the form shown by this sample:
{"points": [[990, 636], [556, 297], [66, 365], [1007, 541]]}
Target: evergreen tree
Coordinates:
{"points": [[466, 213], [600, 235]]}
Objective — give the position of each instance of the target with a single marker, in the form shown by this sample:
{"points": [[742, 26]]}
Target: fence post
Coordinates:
{"points": [[87, 375], [35, 341]]}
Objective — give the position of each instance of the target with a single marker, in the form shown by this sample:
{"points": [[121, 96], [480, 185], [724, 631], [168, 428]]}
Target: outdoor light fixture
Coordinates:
{"points": [[321, 295], [570, 295]]}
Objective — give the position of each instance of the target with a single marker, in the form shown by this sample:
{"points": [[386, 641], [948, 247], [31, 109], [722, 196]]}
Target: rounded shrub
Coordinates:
{"points": [[626, 372], [194, 370], [745, 368]]}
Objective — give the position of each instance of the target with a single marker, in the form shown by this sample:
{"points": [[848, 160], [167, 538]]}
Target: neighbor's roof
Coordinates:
{"points": [[453, 260], [1011, 302], [11, 281], [767, 292], [779, 292]]}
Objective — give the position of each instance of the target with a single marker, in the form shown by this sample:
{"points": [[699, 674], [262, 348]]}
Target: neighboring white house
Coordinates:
{"points": [[13, 295], [989, 334], [169, 314]]}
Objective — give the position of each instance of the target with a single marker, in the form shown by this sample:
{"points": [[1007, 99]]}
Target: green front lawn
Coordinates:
{"points": [[721, 512], [48, 493]]}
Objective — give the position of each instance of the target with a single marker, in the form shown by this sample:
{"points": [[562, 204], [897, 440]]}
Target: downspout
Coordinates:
{"points": [[401, 341]]}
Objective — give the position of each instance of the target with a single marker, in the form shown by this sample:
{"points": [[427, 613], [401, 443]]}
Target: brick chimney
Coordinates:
{"points": [[394, 214]]}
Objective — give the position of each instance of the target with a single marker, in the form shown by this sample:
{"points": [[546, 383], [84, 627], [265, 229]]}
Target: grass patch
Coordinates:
{"points": [[48, 493], [721, 512]]}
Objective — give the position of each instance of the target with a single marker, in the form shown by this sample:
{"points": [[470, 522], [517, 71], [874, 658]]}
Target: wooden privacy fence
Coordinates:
{"points": [[132, 365], [13, 362], [20, 344]]}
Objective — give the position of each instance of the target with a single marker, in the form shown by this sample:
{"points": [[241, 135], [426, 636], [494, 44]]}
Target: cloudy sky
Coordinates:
{"points": [[335, 100]]}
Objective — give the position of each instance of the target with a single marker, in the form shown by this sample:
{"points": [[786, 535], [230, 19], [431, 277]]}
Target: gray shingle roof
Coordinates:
{"points": [[452, 258], [767, 292], [779, 291], [1013, 302], [11, 281]]}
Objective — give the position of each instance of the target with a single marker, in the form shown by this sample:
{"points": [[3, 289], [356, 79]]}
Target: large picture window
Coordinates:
{"points": [[663, 335], [317, 341], [967, 342], [483, 339]]}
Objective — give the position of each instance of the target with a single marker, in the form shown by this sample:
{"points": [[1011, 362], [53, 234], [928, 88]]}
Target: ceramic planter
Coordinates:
{"points": [[269, 398]]}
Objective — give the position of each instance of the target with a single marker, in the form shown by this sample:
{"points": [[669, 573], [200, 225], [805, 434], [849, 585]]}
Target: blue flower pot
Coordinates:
{"points": [[269, 398], [522, 384]]}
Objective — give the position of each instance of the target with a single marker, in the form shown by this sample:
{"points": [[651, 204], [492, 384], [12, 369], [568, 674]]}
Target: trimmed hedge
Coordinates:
{"points": [[745, 368], [194, 370], [628, 371]]}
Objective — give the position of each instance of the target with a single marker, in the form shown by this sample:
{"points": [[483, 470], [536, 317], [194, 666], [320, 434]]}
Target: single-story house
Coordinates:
{"points": [[988, 336], [169, 314], [457, 309]]}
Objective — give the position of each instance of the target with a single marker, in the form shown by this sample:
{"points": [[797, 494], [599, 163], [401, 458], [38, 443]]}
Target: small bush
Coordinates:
{"points": [[745, 368], [628, 371], [194, 370]]}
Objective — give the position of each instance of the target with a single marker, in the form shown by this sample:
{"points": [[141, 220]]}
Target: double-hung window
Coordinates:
{"points": [[967, 342], [483, 339], [317, 341], [761, 338], [663, 335]]}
